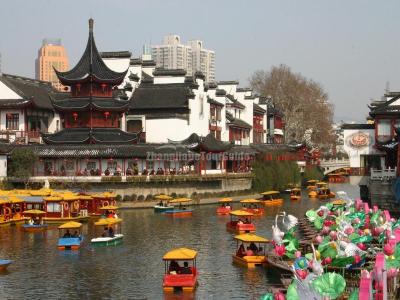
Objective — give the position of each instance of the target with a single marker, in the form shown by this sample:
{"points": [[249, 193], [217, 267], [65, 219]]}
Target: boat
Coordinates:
{"points": [[111, 235], [241, 222], [99, 200], [325, 193], [318, 185], [255, 255], [64, 207], [178, 277], [163, 205], [68, 240], [225, 207], [271, 198], [295, 194], [4, 263], [181, 210], [34, 223], [109, 211], [253, 206], [311, 184]]}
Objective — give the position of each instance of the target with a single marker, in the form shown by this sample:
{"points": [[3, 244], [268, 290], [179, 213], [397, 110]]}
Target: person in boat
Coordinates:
{"points": [[240, 252], [67, 234], [75, 235], [160, 203], [110, 232], [240, 222], [253, 247], [247, 221], [104, 234], [30, 222], [249, 252], [174, 267], [227, 206], [186, 269]]}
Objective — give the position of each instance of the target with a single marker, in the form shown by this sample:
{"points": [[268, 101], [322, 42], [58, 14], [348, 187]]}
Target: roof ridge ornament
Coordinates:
{"points": [[91, 23]]}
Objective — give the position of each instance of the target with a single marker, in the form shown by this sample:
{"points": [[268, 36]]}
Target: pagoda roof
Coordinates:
{"points": [[214, 102], [235, 122], [90, 66], [391, 107], [257, 108], [90, 136], [97, 103]]}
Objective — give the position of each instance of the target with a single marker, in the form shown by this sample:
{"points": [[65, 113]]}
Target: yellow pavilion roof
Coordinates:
{"points": [[241, 213], [312, 181], [180, 254], [34, 212], [296, 189], [16, 200], [41, 192], [52, 198], [250, 201], [249, 237], [163, 197], [108, 221], [109, 207], [180, 200], [70, 225], [224, 200], [270, 193], [85, 197]]}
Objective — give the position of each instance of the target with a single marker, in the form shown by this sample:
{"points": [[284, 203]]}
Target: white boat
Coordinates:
{"points": [[108, 241]]}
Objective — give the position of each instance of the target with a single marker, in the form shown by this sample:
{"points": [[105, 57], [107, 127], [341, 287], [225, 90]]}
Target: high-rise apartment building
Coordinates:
{"points": [[51, 54], [172, 54], [203, 60]]}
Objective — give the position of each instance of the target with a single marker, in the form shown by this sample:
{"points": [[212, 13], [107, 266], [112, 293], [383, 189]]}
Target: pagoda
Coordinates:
{"points": [[91, 113]]}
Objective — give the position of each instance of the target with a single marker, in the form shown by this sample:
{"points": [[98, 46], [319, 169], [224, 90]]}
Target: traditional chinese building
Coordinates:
{"points": [[92, 113]]}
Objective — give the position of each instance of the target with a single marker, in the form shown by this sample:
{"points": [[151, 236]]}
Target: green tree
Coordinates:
{"points": [[313, 173], [22, 162]]}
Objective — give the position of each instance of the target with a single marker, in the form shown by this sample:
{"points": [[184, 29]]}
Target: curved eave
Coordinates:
{"points": [[48, 140], [71, 81], [123, 106], [134, 138], [16, 104]]}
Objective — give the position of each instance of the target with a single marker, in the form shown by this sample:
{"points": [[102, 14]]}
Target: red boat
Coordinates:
{"points": [[241, 222], [225, 207], [253, 206], [180, 270]]}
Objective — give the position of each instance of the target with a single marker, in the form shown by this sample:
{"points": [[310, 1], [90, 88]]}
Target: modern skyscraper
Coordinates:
{"points": [[203, 60], [172, 54], [51, 54]]}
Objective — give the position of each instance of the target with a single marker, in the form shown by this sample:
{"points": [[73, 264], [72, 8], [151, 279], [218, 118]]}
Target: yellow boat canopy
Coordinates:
{"points": [[85, 197], [163, 197], [250, 201], [108, 221], [312, 181], [270, 193], [180, 254], [70, 225], [70, 197], [180, 200], [34, 212], [321, 183], [225, 200], [52, 198], [241, 213], [15, 200], [4, 201], [109, 207], [251, 238], [338, 202]]}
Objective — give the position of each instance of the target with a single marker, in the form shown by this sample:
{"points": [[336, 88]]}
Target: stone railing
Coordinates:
{"points": [[384, 174]]}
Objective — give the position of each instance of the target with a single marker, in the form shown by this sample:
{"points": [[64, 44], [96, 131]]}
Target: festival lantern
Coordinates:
{"points": [[75, 115], [106, 114]]}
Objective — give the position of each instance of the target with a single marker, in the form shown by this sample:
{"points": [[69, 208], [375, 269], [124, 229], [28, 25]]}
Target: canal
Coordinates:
{"points": [[134, 270]]}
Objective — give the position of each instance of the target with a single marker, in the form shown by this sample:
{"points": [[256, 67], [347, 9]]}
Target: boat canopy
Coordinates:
{"points": [[180, 200], [312, 181], [70, 225], [241, 213], [34, 212], [41, 192], [109, 207], [249, 238], [108, 221], [163, 197], [52, 198], [338, 202], [321, 183], [225, 200], [15, 200], [70, 197], [250, 201], [85, 197], [270, 193], [4, 201], [296, 189], [180, 254]]}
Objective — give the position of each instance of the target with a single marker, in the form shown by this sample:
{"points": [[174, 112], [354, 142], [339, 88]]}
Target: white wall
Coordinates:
{"points": [[355, 152], [53, 123], [7, 93], [3, 114], [160, 130], [168, 79], [3, 165]]}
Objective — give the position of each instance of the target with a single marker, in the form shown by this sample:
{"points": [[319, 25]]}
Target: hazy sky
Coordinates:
{"points": [[351, 47]]}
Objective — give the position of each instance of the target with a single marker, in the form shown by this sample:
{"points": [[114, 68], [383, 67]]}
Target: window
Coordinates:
{"points": [[12, 121], [91, 165], [53, 207], [384, 130]]}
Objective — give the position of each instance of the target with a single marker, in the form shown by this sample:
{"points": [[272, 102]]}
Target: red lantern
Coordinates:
{"points": [[106, 114], [75, 115]]}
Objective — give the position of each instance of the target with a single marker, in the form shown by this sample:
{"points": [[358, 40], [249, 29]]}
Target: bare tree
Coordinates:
{"points": [[303, 102]]}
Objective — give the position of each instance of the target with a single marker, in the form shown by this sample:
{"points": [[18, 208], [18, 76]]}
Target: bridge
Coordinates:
{"points": [[334, 164]]}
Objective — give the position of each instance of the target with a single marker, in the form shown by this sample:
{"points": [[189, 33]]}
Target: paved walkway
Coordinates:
{"points": [[150, 204]]}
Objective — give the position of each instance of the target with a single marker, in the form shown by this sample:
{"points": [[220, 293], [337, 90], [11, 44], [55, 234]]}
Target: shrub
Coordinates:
{"points": [[174, 195], [134, 197], [140, 198], [149, 197], [126, 198], [118, 197], [313, 173]]}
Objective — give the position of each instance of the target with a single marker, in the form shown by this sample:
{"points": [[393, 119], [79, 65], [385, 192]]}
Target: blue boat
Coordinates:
{"points": [[68, 240], [4, 263]]}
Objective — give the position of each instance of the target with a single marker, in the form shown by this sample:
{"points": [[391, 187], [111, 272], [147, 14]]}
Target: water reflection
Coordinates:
{"points": [[134, 270]]}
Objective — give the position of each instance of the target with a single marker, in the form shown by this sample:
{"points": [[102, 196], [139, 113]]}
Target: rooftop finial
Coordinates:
{"points": [[91, 21]]}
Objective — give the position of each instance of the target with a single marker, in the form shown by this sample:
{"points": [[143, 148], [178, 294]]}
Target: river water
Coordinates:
{"points": [[134, 270]]}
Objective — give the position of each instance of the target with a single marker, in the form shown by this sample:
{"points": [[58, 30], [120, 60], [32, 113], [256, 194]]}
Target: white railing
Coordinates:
{"points": [[384, 174]]}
